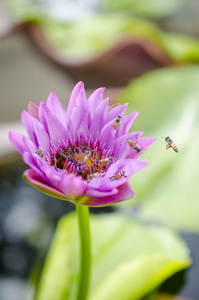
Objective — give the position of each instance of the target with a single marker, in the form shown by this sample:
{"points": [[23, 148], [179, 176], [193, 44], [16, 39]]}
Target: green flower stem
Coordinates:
{"points": [[152, 295], [85, 264]]}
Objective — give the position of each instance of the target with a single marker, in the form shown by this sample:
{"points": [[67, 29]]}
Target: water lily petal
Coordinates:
{"points": [[21, 143], [122, 147], [107, 136], [53, 126], [31, 177], [77, 94], [69, 184], [28, 123], [72, 186], [42, 137], [27, 150], [36, 132], [127, 122], [119, 110], [129, 166], [94, 193], [99, 117], [124, 192], [35, 163], [79, 123], [94, 100], [33, 110], [56, 108], [144, 143]]}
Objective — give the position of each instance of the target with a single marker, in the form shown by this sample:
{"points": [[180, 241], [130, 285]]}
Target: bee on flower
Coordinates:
{"points": [[117, 122], [117, 176], [40, 153], [73, 154], [134, 145]]}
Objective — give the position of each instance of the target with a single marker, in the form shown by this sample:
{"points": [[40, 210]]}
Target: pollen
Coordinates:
{"points": [[82, 160]]}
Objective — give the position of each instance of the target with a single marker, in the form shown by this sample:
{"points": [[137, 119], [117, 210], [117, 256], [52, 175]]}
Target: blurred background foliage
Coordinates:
{"points": [[83, 40], [148, 51], [123, 251], [168, 104], [115, 20], [150, 8]]}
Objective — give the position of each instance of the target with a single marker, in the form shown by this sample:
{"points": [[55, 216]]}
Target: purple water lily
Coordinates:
{"points": [[85, 154]]}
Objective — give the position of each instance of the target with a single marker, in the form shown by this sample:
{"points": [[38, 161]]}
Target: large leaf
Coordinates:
{"points": [[168, 101], [149, 8], [96, 34], [128, 259]]}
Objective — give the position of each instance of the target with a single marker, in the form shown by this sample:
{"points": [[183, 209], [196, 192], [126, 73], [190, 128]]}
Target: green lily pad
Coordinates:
{"points": [[26, 10], [168, 101], [150, 8], [96, 34], [30, 9], [128, 259]]}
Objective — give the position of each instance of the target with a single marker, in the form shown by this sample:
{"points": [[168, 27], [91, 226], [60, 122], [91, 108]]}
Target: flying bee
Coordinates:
{"points": [[134, 145], [69, 151], [117, 122], [88, 153], [40, 153], [117, 176], [170, 144]]}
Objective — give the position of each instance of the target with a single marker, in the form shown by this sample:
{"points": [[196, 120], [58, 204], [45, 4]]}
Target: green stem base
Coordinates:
{"points": [[85, 263]]}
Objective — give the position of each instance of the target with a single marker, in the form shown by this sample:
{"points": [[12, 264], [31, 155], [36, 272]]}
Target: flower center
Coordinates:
{"points": [[82, 160]]}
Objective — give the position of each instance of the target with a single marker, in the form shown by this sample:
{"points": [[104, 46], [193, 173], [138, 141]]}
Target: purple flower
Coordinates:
{"points": [[84, 155]]}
